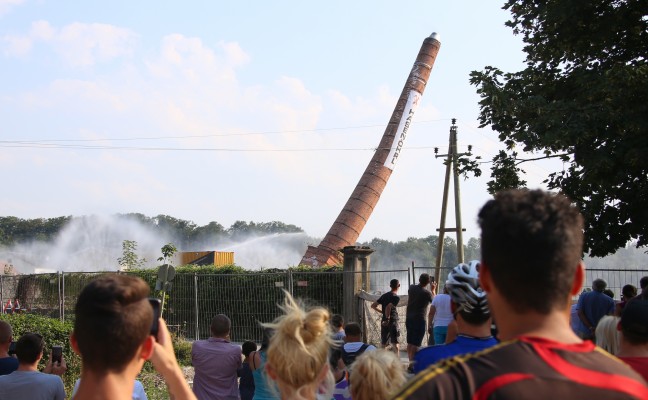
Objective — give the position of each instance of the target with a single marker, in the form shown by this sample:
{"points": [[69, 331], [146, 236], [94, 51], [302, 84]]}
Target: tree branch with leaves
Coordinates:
{"points": [[583, 97]]}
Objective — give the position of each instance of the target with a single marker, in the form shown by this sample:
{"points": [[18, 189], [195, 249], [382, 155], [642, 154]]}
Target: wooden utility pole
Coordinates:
{"points": [[451, 164]]}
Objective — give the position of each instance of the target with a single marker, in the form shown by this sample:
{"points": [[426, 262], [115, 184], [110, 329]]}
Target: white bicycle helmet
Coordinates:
{"points": [[465, 290]]}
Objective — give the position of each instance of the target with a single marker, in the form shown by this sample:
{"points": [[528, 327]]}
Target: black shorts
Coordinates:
{"points": [[389, 332], [415, 331]]}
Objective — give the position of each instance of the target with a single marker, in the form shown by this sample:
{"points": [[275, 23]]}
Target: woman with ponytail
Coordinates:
{"points": [[298, 355]]}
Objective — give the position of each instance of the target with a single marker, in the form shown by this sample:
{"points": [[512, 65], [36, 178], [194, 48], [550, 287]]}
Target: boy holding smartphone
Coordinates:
{"points": [[27, 382], [112, 334]]}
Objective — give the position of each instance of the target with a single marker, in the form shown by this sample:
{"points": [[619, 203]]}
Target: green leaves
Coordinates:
{"points": [[583, 97], [129, 258]]}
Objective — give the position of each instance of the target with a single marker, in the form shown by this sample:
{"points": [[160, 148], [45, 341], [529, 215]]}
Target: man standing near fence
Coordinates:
{"points": [[216, 362], [418, 300], [389, 330], [592, 306]]}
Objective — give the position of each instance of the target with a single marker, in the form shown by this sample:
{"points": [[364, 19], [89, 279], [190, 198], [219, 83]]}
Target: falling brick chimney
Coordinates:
{"points": [[349, 224]]}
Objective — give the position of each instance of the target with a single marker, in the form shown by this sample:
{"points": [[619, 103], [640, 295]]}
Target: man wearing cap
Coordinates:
{"points": [[633, 340], [389, 330], [418, 300]]}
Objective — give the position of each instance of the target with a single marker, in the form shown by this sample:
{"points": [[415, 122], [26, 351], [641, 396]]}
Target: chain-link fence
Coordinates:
{"points": [[248, 299]]}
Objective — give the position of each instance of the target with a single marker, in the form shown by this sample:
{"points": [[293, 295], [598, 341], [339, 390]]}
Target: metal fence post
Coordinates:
{"points": [[62, 296], [413, 273], [58, 287], [197, 334], [290, 282]]}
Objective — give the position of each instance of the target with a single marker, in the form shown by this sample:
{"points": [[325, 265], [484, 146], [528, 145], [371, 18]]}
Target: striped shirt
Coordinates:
{"points": [[529, 368]]}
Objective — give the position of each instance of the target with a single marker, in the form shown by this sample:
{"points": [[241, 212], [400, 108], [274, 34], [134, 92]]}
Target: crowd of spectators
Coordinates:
{"points": [[530, 270]]}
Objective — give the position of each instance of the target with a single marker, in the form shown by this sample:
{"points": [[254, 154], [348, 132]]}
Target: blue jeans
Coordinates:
{"points": [[440, 333]]}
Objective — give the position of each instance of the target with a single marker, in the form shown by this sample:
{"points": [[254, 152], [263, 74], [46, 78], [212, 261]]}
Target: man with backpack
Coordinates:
{"points": [[353, 344]]}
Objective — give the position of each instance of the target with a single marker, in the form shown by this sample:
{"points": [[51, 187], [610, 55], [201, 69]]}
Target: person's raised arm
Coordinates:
{"points": [[431, 317], [165, 362]]}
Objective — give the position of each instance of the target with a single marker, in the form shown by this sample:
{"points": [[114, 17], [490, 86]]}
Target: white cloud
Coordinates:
{"points": [[85, 44], [18, 46], [190, 88], [188, 58], [6, 5], [234, 53], [77, 44], [42, 30]]}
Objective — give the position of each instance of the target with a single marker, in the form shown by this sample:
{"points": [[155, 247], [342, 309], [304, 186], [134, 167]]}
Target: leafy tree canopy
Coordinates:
{"points": [[582, 97], [14, 230]]}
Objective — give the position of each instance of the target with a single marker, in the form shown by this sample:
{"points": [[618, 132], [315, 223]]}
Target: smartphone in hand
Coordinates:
{"points": [[57, 354], [12, 348], [155, 326]]}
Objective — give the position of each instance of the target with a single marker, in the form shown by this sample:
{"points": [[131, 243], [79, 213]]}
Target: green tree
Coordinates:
{"points": [[582, 97], [168, 251], [129, 258], [210, 232], [180, 229], [472, 250]]}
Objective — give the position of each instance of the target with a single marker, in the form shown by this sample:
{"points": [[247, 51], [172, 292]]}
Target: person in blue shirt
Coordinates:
{"points": [[470, 307], [8, 364], [592, 306]]}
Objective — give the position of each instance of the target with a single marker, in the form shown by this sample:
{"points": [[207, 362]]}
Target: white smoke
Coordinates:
{"points": [[279, 250], [94, 243]]}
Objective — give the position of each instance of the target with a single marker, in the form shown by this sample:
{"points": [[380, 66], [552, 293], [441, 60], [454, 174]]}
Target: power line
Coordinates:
{"points": [[217, 134], [86, 147]]}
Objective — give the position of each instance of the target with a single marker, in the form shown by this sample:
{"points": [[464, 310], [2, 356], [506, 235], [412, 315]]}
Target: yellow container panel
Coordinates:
{"points": [[223, 258]]}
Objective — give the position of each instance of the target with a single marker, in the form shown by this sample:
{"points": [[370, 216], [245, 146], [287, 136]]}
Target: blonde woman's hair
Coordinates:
{"points": [[376, 375], [299, 348], [607, 335]]}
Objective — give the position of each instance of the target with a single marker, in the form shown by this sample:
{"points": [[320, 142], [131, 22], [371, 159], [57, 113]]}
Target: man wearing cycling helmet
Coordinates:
{"points": [[531, 246], [470, 308]]}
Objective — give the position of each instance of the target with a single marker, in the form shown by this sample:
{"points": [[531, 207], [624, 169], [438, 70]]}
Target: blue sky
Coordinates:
{"points": [[272, 108]]}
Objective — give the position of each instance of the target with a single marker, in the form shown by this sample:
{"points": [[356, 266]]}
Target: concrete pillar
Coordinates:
{"points": [[355, 277]]}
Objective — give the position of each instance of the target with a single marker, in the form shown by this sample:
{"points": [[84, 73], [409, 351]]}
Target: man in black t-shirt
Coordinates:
{"points": [[418, 300], [531, 244], [389, 331]]}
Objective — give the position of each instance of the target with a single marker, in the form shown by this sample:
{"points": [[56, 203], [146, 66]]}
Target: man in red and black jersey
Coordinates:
{"points": [[531, 244]]}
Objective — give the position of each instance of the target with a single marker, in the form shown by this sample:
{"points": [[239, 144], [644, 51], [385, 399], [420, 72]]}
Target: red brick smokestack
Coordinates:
{"points": [[356, 212]]}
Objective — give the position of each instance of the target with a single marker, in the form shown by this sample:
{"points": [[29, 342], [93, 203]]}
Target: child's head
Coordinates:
{"points": [[298, 355], [337, 321], [248, 347], [376, 375], [336, 363]]}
